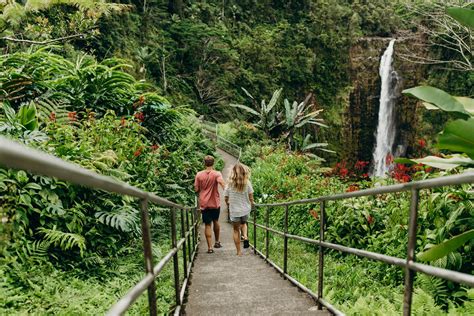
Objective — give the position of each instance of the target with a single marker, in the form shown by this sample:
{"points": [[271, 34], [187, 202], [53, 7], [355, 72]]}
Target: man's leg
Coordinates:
{"points": [[207, 233], [217, 230], [236, 227]]}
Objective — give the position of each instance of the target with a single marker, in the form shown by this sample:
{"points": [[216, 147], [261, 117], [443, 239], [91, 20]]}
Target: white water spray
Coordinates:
{"points": [[386, 131]]}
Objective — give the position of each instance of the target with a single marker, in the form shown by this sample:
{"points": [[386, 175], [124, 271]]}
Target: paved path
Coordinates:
{"points": [[225, 284]]}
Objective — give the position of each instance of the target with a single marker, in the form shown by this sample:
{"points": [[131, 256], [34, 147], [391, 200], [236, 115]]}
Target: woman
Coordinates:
{"points": [[239, 199]]}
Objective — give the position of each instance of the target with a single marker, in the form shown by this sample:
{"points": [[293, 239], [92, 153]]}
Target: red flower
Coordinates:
{"points": [[140, 116], [353, 187], [154, 147], [122, 121], [428, 169], [370, 220], [422, 143], [140, 101], [138, 152], [388, 159], [314, 214], [360, 165], [343, 172], [52, 116], [365, 175], [72, 116]]}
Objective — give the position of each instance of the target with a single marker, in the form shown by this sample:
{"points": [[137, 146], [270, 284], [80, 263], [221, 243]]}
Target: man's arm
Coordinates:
{"points": [[196, 184], [221, 182]]}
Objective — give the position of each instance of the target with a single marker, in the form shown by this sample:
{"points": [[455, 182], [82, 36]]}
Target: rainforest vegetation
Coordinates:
{"points": [[126, 89]]}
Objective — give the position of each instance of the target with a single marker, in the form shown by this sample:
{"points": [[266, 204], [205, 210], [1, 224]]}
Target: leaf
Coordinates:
{"points": [[273, 100], [246, 108], [247, 93], [458, 136], [438, 98], [446, 247], [463, 16], [441, 163], [468, 104]]}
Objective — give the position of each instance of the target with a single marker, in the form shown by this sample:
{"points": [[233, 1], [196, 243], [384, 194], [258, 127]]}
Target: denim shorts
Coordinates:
{"points": [[239, 219]]}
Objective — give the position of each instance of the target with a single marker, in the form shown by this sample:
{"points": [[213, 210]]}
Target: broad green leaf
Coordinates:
{"points": [[441, 163], [246, 108], [458, 136], [438, 98], [315, 145], [446, 247], [463, 16], [274, 100], [468, 104]]}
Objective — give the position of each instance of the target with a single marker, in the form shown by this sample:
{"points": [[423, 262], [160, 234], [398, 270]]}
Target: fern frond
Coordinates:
{"points": [[65, 241], [124, 218]]}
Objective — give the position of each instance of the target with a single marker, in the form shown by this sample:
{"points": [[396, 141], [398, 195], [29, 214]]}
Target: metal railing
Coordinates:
{"points": [[408, 263], [17, 156], [212, 131]]}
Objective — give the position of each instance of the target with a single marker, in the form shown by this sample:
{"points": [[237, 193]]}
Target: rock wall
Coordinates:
{"points": [[360, 116]]}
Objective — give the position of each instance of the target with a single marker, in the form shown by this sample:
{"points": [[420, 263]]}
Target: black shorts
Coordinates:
{"points": [[210, 214]]}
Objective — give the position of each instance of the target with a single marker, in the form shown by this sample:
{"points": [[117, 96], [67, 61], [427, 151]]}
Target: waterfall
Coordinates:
{"points": [[386, 129]]}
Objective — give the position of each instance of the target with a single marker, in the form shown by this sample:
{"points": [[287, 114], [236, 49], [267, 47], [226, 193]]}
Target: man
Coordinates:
{"points": [[207, 184]]}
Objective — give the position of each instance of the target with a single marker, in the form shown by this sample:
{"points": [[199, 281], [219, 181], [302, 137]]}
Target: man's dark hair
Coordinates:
{"points": [[209, 161]]}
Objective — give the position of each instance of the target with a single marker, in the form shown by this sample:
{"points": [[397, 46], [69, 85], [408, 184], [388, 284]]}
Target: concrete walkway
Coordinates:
{"points": [[225, 284]]}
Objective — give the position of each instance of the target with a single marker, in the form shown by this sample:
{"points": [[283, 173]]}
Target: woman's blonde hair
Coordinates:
{"points": [[239, 177]]}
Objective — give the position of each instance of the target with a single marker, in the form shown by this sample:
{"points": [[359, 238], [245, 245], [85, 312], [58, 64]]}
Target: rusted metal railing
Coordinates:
{"points": [[211, 130], [408, 263], [17, 156]]}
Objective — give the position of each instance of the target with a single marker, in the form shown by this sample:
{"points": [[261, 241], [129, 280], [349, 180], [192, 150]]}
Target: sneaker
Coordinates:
{"points": [[246, 243]]}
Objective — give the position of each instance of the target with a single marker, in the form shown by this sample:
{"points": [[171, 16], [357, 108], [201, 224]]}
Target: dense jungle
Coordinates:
{"points": [[321, 97]]}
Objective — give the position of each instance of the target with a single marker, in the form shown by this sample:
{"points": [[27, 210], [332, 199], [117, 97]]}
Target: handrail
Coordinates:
{"points": [[212, 129], [408, 263], [18, 156]]}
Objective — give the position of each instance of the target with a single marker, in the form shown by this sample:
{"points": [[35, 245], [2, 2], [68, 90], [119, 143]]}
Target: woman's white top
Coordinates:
{"points": [[239, 202]]}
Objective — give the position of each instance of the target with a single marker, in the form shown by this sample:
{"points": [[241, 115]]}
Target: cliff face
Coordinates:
{"points": [[360, 116]]}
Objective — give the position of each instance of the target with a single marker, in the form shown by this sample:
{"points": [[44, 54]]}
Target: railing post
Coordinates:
{"points": [[322, 219], [175, 257], [410, 274], [146, 236], [267, 233], [185, 245], [255, 230], [190, 250], [285, 243]]}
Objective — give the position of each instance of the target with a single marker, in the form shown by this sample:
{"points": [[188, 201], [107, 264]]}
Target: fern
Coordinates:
{"points": [[435, 287], [124, 218], [65, 241]]}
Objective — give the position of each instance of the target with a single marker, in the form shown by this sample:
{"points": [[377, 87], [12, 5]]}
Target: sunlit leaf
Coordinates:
{"points": [[446, 247]]}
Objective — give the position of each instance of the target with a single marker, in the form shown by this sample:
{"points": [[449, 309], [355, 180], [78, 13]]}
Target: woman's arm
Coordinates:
{"points": [[252, 202]]}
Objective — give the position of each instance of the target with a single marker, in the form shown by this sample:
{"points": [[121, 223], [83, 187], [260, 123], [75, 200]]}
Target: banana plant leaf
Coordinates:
{"points": [[438, 162], [458, 136], [463, 16], [246, 108], [446, 247], [438, 98]]}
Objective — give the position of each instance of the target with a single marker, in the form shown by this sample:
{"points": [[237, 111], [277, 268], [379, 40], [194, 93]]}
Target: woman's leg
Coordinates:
{"points": [[237, 237], [244, 228]]}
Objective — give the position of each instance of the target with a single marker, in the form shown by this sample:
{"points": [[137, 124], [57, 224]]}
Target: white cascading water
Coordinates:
{"points": [[386, 128]]}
